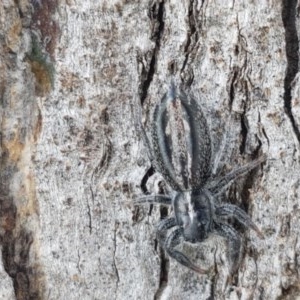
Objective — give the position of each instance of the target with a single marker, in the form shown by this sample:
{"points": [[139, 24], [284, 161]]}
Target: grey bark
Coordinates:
{"points": [[72, 76]]}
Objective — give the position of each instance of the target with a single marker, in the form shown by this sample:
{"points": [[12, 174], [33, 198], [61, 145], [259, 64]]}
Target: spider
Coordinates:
{"points": [[181, 151]]}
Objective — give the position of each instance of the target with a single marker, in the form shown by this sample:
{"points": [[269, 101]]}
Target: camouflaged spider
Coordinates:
{"points": [[181, 151]]}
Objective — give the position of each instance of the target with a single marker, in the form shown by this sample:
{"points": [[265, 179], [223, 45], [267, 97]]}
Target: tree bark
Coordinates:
{"points": [[73, 76]]}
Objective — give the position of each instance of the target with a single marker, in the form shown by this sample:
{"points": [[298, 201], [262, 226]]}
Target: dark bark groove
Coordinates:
{"points": [[289, 11]]}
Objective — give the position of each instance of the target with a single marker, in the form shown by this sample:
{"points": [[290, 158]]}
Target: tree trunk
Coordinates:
{"points": [[73, 74]]}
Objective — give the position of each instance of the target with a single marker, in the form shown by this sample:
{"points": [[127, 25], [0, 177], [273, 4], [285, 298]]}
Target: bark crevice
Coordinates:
{"points": [[114, 259], [244, 133], [289, 12], [144, 180], [232, 87], [156, 15], [164, 263], [89, 216], [214, 277], [192, 36], [164, 274], [194, 25]]}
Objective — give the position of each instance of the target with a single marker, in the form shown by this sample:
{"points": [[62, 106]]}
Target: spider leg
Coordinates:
{"points": [[229, 210], [174, 240], [162, 227], [166, 224], [221, 154], [234, 244], [137, 114], [219, 184], [161, 199]]}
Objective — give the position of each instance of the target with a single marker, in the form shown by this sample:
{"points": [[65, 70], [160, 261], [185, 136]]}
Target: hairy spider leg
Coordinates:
{"points": [[166, 224], [230, 210], [219, 184], [161, 199], [174, 240], [221, 153], [162, 227], [234, 244], [140, 129]]}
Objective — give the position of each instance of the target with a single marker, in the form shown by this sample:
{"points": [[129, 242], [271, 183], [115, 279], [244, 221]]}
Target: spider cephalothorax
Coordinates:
{"points": [[180, 150]]}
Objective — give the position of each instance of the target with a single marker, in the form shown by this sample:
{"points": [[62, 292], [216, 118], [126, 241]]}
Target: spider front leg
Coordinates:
{"points": [[160, 199], [234, 245], [174, 240], [230, 210]]}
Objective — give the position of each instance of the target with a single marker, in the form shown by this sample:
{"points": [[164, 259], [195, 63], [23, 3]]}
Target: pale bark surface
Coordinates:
{"points": [[72, 74]]}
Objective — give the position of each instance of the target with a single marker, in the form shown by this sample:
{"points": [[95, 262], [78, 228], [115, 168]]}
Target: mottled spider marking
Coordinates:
{"points": [[180, 149]]}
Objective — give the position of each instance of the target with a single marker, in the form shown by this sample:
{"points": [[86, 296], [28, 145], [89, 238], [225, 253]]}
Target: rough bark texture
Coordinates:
{"points": [[71, 76]]}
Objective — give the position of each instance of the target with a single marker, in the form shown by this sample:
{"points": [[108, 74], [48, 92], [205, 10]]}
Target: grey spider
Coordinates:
{"points": [[181, 151]]}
